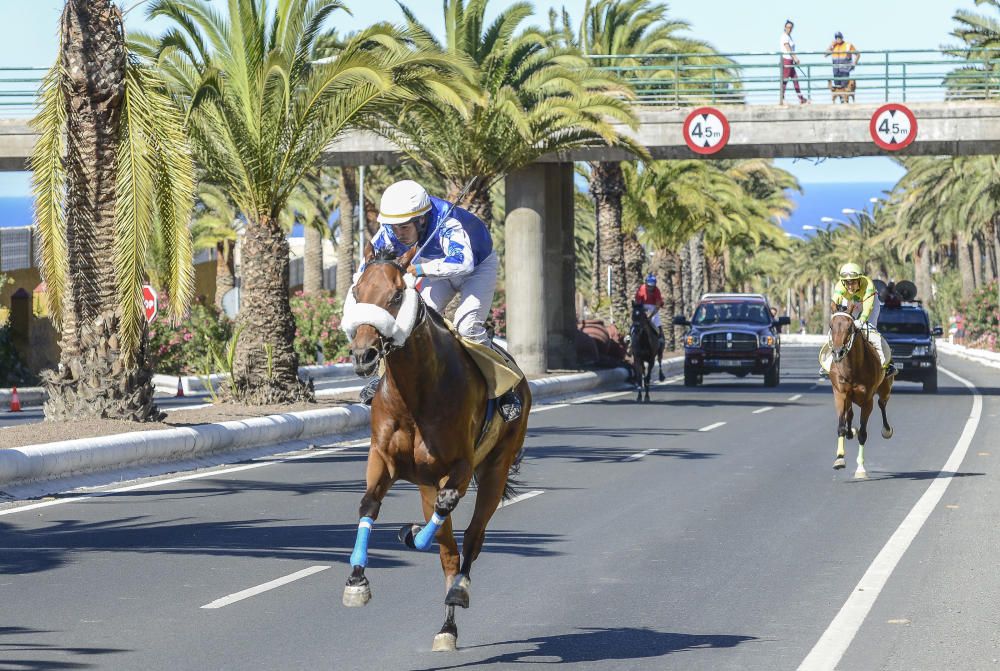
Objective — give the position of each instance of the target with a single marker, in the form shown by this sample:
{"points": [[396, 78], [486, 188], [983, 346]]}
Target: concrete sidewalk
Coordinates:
{"points": [[49, 462]]}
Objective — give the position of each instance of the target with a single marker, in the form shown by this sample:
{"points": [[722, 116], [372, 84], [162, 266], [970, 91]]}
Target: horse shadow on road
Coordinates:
{"points": [[26, 641], [599, 644], [607, 455], [916, 476]]}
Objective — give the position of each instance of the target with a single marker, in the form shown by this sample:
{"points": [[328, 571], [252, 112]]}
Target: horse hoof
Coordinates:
{"points": [[459, 593], [406, 534], [444, 642], [850, 434], [356, 596], [662, 377], [861, 473], [646, 399], [839, 463], [887, 433]]}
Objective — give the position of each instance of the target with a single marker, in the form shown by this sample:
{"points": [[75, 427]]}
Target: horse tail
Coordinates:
{"points": [[513, 485]]}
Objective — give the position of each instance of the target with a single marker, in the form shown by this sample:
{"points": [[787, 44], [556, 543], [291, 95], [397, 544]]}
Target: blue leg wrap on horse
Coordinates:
{"points": [[425, 536], [360, 555]]}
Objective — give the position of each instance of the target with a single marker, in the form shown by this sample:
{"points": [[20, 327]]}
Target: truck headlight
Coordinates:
{"points": [[766, 340], [692, 340], [921, 350]]}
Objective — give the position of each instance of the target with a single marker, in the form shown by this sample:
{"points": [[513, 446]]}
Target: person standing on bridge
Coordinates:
{"points": [[789, 61], [845, 58]]}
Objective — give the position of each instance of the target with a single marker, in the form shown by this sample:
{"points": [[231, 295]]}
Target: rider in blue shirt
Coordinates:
{"points": [[456, 256]]}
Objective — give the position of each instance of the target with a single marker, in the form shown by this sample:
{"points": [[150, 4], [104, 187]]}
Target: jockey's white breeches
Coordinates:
{"points": [[476, 291], [654, 319]]}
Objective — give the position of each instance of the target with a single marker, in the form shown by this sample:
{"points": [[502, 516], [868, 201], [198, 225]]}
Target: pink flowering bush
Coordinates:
{"points": [[497, 319], [186, 348], [982, 320], [317, 321]]}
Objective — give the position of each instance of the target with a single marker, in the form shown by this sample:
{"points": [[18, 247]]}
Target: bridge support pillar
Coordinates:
{"points": [[540, 267]]}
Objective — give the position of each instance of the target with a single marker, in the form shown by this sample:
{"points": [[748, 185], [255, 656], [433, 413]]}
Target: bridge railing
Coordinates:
{"points": [[755, 78], [18, 91]]}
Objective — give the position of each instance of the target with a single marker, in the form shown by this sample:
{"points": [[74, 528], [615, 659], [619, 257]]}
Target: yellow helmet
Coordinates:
{"points": [[850, 271]]}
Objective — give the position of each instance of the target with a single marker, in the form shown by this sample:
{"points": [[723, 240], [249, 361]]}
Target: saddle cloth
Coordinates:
{"points": [[497, 366], [826, 353]]}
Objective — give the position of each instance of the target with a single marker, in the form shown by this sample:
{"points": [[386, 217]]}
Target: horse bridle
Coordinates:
{"points": [[386, 345], [840, 353]]}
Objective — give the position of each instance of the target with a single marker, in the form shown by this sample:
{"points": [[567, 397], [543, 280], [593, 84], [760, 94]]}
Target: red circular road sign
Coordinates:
{"points": [[893, 127], [706, 130], [150, 302]]}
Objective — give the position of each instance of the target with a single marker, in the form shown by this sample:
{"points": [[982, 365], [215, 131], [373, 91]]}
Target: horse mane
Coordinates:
{"points": [[384, 255]]}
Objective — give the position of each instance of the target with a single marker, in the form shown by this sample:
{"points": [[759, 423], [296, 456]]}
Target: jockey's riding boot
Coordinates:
{"points": [[890, 369], [509, 406], [368, 391], [661, 340]]}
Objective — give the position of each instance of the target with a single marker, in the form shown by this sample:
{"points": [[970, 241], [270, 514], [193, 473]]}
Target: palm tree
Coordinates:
{"points": [[111, 166], [980, 36], [609, 31], [536, 98], [261, 111]]}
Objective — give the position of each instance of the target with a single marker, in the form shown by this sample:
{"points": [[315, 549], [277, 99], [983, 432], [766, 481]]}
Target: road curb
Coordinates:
{"points": [[195, 384], [49, 461], [980, 356]]}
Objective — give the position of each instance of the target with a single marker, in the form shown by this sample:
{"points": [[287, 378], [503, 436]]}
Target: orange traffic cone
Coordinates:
{"points": [[180, 388], [15, 402]]}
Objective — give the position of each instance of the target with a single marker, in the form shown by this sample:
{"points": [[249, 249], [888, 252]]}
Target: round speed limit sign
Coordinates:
{"points": [[706, 130], [893, 127]]}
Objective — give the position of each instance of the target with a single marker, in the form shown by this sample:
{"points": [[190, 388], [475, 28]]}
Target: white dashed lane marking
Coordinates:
{"points": [[639, 455], [265, 587], [764, 409], [795, 398], [712, 426]]}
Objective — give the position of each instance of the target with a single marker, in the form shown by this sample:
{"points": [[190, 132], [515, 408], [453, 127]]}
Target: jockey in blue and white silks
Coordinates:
{"points": [[456, 252]]}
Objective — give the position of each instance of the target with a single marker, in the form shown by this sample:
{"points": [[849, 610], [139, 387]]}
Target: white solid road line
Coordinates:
{"points": [[189, 407], [828, 651], [520, 497], [711, 426], [253, 591], [639, 455], [764, 409], [795, 398]]}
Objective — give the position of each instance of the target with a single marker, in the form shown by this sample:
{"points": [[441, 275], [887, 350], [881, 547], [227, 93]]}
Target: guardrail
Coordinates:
{"points": [[908, 75], [741, 78]]}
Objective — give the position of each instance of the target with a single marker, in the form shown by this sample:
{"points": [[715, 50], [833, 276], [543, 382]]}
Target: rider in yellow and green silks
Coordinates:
{"points": [[855, 293]]}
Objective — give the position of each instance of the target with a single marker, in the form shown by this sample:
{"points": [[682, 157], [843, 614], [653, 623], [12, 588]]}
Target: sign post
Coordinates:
{"points": [[893, 127], [150, 302], [706, 130]]}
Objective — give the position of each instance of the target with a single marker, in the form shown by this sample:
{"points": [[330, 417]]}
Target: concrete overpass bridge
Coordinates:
{"points": [[953, 118]]}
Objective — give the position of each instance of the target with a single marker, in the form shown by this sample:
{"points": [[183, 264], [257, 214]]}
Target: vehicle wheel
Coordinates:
{"points": [[930, 383], [690, 376], [773, 376]]}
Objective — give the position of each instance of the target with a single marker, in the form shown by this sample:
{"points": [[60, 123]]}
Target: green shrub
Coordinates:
{"points": [[981, 318], [317, 320], [186, 348]]}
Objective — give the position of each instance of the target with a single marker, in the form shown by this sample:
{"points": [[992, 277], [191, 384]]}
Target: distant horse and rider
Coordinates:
{"points": [[646, 335], [858, 361], [446, 409]]}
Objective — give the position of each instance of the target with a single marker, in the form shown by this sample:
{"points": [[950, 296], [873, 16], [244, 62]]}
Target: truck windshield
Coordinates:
{"points": [[905, 322], [729, 312]]}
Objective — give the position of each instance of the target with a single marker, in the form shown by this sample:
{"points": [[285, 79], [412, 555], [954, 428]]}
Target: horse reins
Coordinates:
{"points": [[850, 341]]}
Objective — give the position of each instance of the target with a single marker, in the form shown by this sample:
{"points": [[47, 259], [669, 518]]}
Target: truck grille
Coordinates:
{"points": [[721, 342], [901, 351]]}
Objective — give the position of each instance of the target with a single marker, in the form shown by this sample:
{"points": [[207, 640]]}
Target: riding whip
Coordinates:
{"points": [[447, 213]]}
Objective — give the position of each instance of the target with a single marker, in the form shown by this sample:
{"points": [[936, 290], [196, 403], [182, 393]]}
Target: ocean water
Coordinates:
{"points": [[821, 199]]}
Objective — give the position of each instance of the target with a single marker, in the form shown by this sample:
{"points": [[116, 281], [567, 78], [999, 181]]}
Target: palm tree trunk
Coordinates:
{"points": [[965, 266], [977, 260], [607, 183], [687, 307], [312, 262], [225, 274], [92, 380], [635, 261], [827, 299], [698, 284], [348, 224], [265, 369], [477, 201], [922, 273]]}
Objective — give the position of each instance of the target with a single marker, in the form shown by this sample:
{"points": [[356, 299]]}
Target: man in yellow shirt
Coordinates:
{"points": [[845, 57]]}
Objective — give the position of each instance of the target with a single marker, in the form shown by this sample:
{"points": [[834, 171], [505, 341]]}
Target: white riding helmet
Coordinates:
{"points": [[402, 201]]}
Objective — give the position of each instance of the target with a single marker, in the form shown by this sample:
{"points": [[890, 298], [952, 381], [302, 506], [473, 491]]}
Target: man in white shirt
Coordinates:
{"points": [[788, 62]]}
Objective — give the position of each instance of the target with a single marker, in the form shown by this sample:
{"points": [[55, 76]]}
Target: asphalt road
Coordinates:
{"points": [[705, 530]]}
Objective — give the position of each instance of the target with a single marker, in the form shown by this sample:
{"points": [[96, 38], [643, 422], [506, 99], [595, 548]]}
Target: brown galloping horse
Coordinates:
{"points": [[856, 375], [428, 426]]}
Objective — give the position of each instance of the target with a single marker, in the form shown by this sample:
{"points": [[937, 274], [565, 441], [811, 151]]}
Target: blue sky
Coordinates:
{"points": [[28, 31]]}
